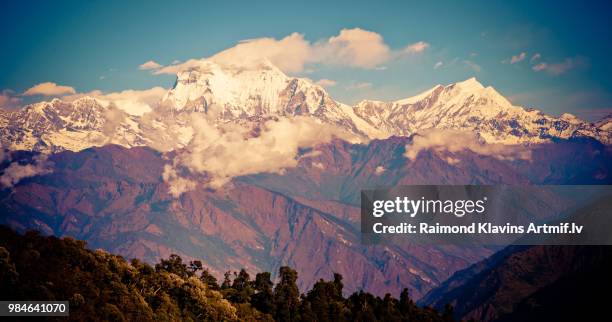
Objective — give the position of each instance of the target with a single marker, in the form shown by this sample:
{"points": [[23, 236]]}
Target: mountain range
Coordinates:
{"points": [[288, 163], [228, 93]]}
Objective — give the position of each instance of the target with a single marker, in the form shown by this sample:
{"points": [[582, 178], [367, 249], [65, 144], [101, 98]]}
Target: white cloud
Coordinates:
{"points": [[151, 64], [133, 102], [556, 69], [439, 140], [289, 54], [355, 47], [49, 89], [177, 185], [535, 57], [16, 171], [175, 68], [417, 47], [518, 58], [326, 82], [220, 151], [318, 165], [452, 161], [539, 67], [438, 65]]}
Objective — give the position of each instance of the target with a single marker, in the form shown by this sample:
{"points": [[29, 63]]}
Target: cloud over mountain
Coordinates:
{"points": [[151, 64], [49, 89], [17, 171], [230, 150], [356, 47], [133, 102], [451, 140]]}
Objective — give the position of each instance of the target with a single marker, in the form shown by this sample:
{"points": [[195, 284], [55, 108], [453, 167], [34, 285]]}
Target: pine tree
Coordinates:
{"points": [[263, 299], [174, 264], [286, 295], [209, 279], [242, 287], [195, 266]]}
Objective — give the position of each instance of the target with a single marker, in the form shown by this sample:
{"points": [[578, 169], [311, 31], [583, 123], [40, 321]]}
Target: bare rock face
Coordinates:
{"points": [[115, 198], [308, 218]]}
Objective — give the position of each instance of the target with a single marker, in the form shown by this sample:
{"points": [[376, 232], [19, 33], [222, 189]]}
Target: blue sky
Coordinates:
{"points": [[100, 45]]}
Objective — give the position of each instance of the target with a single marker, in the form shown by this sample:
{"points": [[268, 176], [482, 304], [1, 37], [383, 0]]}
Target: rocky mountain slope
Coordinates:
{"points": [[470, 106], [59, 125], [308, 217], [103, 175], [230, 93], [115, 199], [509, 284], [518, 280]]}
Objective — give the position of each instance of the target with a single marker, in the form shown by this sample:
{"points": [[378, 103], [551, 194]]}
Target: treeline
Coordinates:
{"points": [[102, 286]]}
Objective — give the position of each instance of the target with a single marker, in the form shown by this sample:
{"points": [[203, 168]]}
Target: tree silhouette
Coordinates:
{"points": [[286, 295]]}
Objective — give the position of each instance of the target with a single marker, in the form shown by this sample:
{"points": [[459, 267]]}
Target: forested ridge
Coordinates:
{"points": [[105, 287]]}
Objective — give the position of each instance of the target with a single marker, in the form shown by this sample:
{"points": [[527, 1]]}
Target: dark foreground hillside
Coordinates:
{"points": [[531, 283], [103, 286]]}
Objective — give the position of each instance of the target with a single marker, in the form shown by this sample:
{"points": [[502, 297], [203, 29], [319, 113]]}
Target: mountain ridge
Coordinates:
{"points": [[251, 95]]}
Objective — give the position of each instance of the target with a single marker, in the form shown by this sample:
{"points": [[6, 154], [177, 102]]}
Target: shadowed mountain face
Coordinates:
{"points": [[572, 297], [307, 218], [528, 283]]}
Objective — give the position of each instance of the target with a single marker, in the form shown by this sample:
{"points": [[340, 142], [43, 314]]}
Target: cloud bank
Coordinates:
{"points": [[133, 102], [151, 64], [416, 48], [453, 141], [49, 89], [518, 58], [556, 69], [17, 171], [177, 184], [231, 150], [356, 47]]}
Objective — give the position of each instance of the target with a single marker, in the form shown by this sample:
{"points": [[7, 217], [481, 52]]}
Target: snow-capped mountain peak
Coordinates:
{"points": [[58, 125], [234, 91], [258, 91], [469, 105], [605, 124], [470, 84], [418, 97]]}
